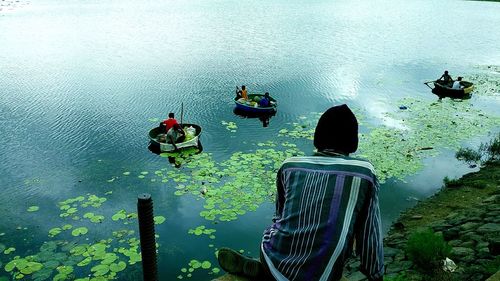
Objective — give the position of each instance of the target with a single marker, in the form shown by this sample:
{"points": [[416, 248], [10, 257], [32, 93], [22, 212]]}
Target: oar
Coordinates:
{"points": [[182, 111], [427, 84]]}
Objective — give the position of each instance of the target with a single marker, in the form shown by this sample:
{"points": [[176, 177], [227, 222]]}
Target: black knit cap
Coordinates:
{"points": [[337, 129]]}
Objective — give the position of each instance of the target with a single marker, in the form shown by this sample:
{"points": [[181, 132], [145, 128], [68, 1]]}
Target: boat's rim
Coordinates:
{"points": [[236, 100], [197, 127]]}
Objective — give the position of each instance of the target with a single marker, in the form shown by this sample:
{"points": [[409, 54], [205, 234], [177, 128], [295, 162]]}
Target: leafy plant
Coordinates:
{"points": [[399, 277], [469, 156], [427, 249], [450, 182], [492, 266], [489, 151], [493, 148]]}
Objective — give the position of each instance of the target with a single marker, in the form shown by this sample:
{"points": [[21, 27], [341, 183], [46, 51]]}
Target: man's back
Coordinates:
{"points": [[323, 202], [169, 123]]}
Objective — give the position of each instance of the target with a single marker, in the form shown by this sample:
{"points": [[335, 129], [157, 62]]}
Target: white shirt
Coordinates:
{"points": [[456, 85]]}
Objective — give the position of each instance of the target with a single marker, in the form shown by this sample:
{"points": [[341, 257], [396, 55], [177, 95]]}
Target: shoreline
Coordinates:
{"points": [[466, 212]]}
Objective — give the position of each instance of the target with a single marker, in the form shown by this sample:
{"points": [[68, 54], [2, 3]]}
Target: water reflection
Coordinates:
{"points": [[263, 117]]}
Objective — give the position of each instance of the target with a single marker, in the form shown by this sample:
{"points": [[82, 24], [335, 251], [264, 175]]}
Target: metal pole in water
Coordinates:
{"points": [[147, 237]]}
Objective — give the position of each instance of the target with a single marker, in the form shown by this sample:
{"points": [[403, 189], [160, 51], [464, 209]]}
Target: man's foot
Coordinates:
{"points": [[235, 263]]}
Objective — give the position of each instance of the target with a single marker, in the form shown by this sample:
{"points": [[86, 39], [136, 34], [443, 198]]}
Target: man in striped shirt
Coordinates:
{"points": [[324, 203]]}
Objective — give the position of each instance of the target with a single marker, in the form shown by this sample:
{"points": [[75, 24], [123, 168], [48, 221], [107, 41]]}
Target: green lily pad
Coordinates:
{"points": [[195, 264], [60, 277], [9, 250], [33, 208], [120, 215], [206, 265], [12, 264], [109, 258], [31, 267], [65, 269], [85, 261], [159, 219], [117, 267], [100, 270], [79, 231], [67, 226]]}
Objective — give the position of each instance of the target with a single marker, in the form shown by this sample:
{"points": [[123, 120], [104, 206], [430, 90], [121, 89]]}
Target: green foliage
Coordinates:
{"points": [[493, 149], [469, 156], [399, 277], [426, 250], [450, 182], [492, 266], [489, 151]]}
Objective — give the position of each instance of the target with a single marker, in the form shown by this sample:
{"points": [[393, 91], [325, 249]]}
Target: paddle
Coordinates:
{"points": [[427, 83], [182, 112]]}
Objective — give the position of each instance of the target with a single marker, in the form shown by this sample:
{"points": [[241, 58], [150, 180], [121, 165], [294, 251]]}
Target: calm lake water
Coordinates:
{"points": [[80, 82]]}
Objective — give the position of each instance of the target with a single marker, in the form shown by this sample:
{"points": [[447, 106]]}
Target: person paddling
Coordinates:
{"points": [[446, 78], [173, 130]]}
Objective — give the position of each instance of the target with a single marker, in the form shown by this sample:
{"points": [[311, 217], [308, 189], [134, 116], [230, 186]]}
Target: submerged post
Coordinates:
{"points": [[147, 237]]}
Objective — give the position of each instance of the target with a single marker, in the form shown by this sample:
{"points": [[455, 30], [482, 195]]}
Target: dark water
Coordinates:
{"points": [[80, 80]]}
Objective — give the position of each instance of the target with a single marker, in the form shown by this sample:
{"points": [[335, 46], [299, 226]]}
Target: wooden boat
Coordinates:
{"points": [[442, 89], [166, 147], [252, 104]]}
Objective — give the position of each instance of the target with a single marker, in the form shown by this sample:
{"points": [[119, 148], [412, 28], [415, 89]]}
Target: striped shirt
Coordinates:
{"points": [[322, 204]]}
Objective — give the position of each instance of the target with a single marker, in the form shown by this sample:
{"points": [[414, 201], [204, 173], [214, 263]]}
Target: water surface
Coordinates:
{"points": [[80, 80]]}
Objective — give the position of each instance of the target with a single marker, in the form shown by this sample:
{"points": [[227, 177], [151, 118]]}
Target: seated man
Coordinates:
{"points": [[446, 78], [323, 203], [457, 84], [265, 101], [170, 122], [244, 93]]}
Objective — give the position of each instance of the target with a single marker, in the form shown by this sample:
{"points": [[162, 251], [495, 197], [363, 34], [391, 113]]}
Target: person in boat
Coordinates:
{"points": [[265, 101], [457, 84], [169, 122], [446, 78], [323, 203], [175, 134], [238, 93], [244, 93]]}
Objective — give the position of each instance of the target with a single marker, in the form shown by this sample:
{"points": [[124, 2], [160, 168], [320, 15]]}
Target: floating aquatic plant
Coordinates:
{"points": [[9, 250], [33, 208], [93, 217], [79, 231], [230, 126], [194, 265], [426, 128], [159, 219], [56, 259], [202, 230]]}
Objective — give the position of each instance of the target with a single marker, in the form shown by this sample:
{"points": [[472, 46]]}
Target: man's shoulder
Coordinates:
{"points": [[329, 161]]}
